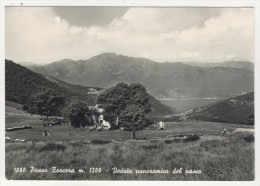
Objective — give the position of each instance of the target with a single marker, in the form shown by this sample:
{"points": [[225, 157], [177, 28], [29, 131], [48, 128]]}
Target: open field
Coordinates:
{"points": [[15, 118], [61, 133], [225, 158], [216, 156]]}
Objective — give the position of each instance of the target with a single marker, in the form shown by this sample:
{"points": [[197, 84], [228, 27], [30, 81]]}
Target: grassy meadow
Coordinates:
{"points": [[223, 158], [211, 157]]}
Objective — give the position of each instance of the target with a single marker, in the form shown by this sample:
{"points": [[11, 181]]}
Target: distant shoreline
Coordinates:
{"points": [[173, 99]]}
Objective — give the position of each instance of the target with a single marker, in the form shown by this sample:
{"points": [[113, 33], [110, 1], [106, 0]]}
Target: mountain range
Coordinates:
{"points": [[171, 80], [231, 64]]}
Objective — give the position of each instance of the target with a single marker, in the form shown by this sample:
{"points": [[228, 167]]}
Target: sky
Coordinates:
{"points": [[42, 35]]}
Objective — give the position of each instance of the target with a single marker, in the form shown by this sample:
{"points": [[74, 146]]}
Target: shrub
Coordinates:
{"points": [[249, 138], [169, 141], [193, 137], [183, 138]]}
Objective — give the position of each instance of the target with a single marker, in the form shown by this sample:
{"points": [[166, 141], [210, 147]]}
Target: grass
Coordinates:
{"points": [[13, 104], [52, 147], [232, 161], [219, 157], [15, 118], [172, 129], [61, 133]]}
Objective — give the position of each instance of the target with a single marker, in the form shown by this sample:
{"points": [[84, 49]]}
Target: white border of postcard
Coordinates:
{"points": [[144, 3]]}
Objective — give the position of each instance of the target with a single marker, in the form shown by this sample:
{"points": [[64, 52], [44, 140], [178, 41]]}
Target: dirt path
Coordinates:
{"points": [[244, 130]]}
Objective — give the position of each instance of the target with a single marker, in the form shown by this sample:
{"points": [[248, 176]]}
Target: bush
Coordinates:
{"points": [[169, 141], [126, 126], [183, 138], [193, 137], [129, 127], [249, 138], [25, 107]]}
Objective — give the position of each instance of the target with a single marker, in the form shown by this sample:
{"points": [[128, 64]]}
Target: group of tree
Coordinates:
{"points": [[47, 103], [79, 114], [129, 103]]}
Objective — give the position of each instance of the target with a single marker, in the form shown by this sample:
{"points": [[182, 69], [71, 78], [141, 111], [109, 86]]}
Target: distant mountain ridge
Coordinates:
{"points": [[231, 64], [161, 79]]}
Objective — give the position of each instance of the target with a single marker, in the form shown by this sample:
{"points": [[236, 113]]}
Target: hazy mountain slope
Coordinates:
{"points": [[75, 88], [22, 85], [239, 110], [160, 109], [161, 79], [27, 64], [231, 64]]}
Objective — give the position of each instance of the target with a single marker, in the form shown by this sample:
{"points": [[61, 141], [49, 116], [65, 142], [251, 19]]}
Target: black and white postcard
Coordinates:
{"points": [[143, 93]]}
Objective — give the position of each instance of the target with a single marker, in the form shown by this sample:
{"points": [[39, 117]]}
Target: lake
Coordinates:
{"points": [[182, 104]]}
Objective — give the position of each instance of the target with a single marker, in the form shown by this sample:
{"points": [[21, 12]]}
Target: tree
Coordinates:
{"points": [[79, 114], [129, 103], [48, 104]]}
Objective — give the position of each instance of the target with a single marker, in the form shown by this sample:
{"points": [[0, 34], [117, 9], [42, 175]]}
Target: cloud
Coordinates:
{"points": [[89, 16], [38, 34]]}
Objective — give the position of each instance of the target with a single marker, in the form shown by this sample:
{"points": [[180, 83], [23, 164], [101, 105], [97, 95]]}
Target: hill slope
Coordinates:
{"points": [[161, 79], [230, 64], [238, 110], [157, 106], [21, 86]]}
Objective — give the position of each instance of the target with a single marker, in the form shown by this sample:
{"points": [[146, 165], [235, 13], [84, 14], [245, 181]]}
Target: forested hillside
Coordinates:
{"points": [[23, 86]]}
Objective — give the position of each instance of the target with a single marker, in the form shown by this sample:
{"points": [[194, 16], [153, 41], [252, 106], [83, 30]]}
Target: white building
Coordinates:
{"points": [[99, 120]]}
